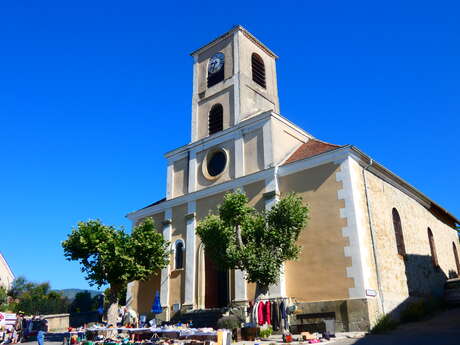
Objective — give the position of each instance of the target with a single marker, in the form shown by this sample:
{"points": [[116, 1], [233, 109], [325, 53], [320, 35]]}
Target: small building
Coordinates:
{"points": [[374, 242], [6, 274]]}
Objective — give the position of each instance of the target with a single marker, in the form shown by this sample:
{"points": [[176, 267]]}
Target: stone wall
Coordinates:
{"points": [[57, 322], [413, 275], [351, 315]]}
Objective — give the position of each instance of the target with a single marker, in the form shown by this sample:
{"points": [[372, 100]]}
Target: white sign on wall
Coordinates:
{"points": [[7, 319]]}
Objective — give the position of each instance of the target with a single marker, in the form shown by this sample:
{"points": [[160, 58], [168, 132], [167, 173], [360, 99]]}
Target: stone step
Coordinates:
{"points": [[200, 317]]}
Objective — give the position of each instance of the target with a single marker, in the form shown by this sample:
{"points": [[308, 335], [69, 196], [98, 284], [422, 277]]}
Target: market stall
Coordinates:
{"points": [[151, 335]]}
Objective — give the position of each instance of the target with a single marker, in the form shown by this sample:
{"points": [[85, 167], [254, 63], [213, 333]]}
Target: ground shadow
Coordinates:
{"points": [[425, 281]]}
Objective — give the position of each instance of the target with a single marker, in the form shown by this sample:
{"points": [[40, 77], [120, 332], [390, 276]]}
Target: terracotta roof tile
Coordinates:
{"points": [[311, 148]]}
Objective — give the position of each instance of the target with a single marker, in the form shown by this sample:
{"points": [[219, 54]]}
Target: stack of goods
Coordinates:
{"points": [[314, 338], [177, 335], [7, 334]]}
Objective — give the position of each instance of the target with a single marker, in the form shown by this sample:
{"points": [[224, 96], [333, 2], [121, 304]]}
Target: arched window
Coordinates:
{"points": [[179, 254], [434, 257], [258, 70], [216, 119], [454, 248], [398, 232]]}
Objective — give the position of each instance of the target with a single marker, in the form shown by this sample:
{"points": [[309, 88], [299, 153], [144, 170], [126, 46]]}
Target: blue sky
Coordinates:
{"points": [[93, 93]]}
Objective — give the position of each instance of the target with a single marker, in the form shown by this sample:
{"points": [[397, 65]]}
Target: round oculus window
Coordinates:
{"points": [[216, 163]]}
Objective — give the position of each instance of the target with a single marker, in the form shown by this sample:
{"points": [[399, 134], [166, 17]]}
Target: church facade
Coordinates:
{"points": [[373, 242], [6, 274]]}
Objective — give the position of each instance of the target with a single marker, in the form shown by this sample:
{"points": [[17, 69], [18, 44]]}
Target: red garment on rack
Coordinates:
{"points": [[260, 313], [267, 317]]}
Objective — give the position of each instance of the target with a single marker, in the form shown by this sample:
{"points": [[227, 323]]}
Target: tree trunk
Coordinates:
{"points": [[238, 237], [112, 312], [261, 291]]}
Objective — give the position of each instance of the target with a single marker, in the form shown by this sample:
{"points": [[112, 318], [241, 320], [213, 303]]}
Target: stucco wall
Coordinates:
{"points": [[177, 276], [228, 174], [6, 276], [254, 98], [413, 275], [253, 151], [225, 47], [143, 292], [158, 219], [180, 177], [320, 272], [225, 98], [254, 192], [222, 92], [285, 140], [203, 207]]}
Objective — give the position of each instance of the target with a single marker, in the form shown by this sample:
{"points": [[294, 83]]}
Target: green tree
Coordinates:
{"points": [[121, 295], [19, 286], [109, 256], [3, 295], [240, 237], [37, 298], [83, 302], [3, 299]]}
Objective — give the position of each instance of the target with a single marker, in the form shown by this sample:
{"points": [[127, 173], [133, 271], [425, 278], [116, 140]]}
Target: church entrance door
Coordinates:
{"points": [[216, 285]]}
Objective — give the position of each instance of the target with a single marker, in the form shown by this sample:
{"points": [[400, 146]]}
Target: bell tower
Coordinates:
{"points": [[234, 78]]}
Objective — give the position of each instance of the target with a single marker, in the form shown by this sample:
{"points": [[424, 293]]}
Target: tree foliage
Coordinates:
{"points": [[111, 256], [19, 286], [239, 237], [37, 298], [83, 302], [3, 299], [114, 257]]}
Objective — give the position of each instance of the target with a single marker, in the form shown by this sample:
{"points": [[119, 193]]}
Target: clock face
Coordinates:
{"points": [[215, 63]]}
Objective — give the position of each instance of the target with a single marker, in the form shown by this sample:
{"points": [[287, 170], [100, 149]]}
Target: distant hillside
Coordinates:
{"points": [[70, 293]]}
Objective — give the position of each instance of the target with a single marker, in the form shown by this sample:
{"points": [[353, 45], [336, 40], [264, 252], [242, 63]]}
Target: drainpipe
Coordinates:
{"points": [[373, 237]]}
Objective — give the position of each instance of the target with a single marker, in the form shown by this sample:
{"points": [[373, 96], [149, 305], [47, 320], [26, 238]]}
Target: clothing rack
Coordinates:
{"points": [[271, 299], [271, 310]]}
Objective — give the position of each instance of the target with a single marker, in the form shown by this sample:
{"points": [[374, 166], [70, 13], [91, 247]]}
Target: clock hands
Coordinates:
{"points": [[216, 62]]}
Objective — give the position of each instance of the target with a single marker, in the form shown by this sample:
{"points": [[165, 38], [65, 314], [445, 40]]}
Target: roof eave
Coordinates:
{"points": [[231, 32], [404, 183]]}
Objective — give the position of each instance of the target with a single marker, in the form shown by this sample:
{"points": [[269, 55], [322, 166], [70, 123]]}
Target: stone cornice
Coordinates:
{"points": [[217, 138], [229, 34]]}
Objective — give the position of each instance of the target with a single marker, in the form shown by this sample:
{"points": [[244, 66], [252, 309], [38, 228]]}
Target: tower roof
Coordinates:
{"points": [[231, 32]]}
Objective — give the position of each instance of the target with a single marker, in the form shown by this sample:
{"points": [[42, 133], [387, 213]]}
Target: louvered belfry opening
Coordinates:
{"points": [[216, 119], [434, 255], [258, 70], [398, 232]]}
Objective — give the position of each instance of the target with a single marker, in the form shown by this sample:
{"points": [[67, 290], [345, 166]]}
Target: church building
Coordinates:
{"points": [[373, 243], [6, 274]]}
